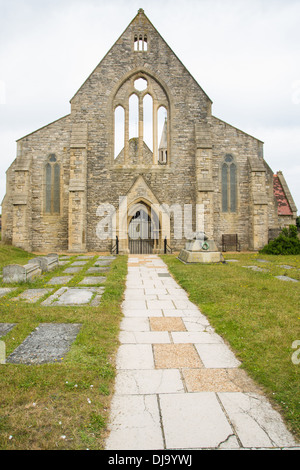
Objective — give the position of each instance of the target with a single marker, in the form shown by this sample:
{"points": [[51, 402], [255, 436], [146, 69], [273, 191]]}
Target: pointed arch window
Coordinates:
{"points": [[52, 184], [229, 185]]}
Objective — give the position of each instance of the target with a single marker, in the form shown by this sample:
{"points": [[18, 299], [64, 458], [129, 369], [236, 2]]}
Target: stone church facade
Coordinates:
{"points": [[140, 138]]}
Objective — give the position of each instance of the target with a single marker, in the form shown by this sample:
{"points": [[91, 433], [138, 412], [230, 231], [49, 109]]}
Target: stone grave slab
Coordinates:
{"points": [[79, 263], [71, 296], [6, 328], [63, 263], [6, 290], [73, 270], [59, 280], [256, 268], [98, 270], [85, 257], [104, 262], [286, 278], [92, 281], [48, 343], [32, 295]]}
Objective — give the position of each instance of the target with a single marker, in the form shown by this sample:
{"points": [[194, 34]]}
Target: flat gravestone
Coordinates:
{"points": [[95, 270], [5, 290], [59, 280], [104, 262], [284, 266], [71, 296], [32, 295], [286, 278], [111, 258], [73, 270], [256, 268], [6, 328], [47, 344], [79, 263], [92, 280], [85, 257]]}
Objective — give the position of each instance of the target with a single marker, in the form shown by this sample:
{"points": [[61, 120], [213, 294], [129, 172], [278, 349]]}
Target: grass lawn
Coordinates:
{"points": [[63, 405], [258, 315]]}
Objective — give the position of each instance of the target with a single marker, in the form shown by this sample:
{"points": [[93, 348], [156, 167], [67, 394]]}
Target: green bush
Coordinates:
{"points": [[287, 243]]}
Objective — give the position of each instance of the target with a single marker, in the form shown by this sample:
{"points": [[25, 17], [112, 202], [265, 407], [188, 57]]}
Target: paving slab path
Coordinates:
{"points": [[178, 385]]}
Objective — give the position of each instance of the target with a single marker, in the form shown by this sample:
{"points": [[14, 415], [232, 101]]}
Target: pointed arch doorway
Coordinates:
{"points": [[143, 230]]}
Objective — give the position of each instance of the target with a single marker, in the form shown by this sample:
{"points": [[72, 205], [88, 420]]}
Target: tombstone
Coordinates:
{"points": [[200, 250], [17, 273]]}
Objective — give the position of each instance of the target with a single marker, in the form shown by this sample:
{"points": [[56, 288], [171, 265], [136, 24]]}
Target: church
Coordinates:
{"points": [[141, 160]]}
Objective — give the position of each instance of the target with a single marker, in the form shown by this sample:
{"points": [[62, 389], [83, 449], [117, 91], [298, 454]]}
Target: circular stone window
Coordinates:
{"points": [[140, 84]]}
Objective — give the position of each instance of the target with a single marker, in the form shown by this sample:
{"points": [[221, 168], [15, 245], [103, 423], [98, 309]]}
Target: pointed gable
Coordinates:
{"points": [[283, 204]]}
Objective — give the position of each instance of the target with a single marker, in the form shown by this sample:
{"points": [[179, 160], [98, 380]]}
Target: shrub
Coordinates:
{"points": [[287, 243]]}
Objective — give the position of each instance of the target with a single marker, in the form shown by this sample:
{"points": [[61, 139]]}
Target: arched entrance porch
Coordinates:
{"points": [[143, 230]]}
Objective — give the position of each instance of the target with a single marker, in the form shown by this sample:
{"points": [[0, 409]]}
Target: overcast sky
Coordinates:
{"points": [[245, 54]]}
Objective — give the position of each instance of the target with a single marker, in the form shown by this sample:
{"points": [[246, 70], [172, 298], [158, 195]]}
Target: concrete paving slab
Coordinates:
{"points": [[255, 422], [134, 423], [164, 304], [196, 337], [217, 356], [176, 356], [193, 421], [143, 313], [135, 324], [48, 343], [144, 337], [135, 356], [218, 380], [199, 323], [166, 324], [134, 305], [145, 382]]}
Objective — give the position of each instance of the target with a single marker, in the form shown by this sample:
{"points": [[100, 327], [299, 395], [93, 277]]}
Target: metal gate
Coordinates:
{"points": [[139, 234], [140, 247]]}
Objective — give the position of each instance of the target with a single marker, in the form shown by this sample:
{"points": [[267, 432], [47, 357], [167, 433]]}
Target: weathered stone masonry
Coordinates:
{"points": [[208, 161]]}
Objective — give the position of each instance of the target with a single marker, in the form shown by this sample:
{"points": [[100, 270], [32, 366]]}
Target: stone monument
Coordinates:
{"points": [[200, 250]]}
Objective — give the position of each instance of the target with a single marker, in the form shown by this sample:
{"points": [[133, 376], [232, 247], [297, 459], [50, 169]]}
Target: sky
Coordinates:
{"points": [[245, 54]]}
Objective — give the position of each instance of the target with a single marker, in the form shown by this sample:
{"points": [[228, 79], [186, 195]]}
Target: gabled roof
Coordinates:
{"points": [[140, 15], [284, 207]]}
